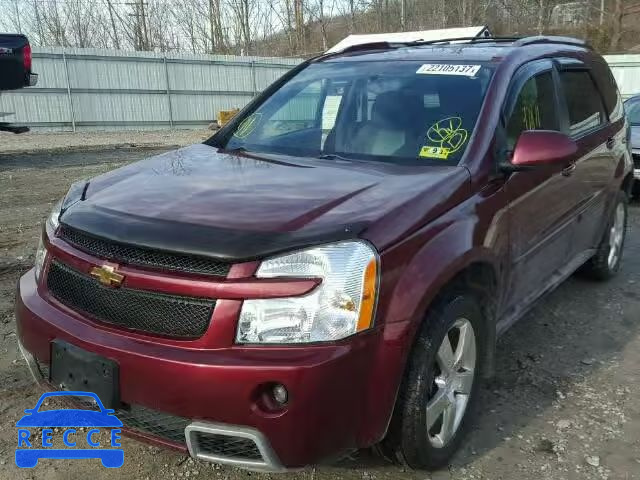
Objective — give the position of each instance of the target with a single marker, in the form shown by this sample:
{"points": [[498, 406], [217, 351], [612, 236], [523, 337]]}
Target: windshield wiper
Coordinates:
{"points": [[332, 156], [236, 150]]}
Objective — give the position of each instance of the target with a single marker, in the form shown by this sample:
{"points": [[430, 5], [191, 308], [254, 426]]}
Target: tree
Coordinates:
{"points": [[620, 12], [297, 27], [242, 13]]}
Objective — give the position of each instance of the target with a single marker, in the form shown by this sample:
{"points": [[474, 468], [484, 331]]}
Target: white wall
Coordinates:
{"points": [[626, 69]]}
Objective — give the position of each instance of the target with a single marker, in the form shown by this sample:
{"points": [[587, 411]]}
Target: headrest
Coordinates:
{"points": [[398, 109]]}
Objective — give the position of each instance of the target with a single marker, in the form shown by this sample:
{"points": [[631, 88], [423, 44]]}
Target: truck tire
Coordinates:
{"points": [[606, 261], [440, 387]]}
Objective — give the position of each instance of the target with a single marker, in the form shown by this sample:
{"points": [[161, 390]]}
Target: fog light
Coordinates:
{"points": [[280, 394]]}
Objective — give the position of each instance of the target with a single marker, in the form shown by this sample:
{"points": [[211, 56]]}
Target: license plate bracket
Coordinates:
{"points": [[75, 369]]}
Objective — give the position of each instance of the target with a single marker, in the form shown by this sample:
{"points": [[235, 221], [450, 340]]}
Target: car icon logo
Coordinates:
{"points": [[64, 420]]}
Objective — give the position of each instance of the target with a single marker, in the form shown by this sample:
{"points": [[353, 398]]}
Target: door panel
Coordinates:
{"points": [[541, 222], [588, 125], [593, 173], [542, 204]]}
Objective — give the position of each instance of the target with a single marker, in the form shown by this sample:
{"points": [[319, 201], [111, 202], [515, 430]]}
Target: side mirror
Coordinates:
{"points": [[538, 148]]}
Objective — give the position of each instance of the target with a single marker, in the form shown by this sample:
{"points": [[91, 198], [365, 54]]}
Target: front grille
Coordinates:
{"points": [[636, 160], [160, 314], [142, 419], [143, 257], [227, 446]]}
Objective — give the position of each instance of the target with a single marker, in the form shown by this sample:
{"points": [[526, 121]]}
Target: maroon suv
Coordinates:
{"points": [[331, 270]]}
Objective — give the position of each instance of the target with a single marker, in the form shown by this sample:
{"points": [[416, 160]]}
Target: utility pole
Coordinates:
{"points": [[145, 33], [403, 19], [298, 14], [140, 26], [212, 25]]}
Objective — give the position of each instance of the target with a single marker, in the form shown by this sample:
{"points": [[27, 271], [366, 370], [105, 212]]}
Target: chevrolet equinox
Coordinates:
{"points": [[332, 268]]}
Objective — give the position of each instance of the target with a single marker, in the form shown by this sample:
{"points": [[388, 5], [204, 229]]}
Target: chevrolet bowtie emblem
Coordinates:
{"points": [[107, 275]]}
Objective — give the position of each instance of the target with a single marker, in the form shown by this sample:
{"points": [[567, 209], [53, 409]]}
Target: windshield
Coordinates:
{"points": [[633, 111], [398, 112]]}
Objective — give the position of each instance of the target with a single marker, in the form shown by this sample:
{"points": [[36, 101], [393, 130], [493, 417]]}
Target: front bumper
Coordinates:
{"points": [[636, 173], [220, 388]]}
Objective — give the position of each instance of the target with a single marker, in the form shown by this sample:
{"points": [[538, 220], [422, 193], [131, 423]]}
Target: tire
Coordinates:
{"points": [[606, 261], [409, 440], [635, 190]]}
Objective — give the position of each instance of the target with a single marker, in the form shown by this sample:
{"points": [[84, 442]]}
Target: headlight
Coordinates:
{"points": [[54, 218], [41, 254], [342, 305], [76, 193]]}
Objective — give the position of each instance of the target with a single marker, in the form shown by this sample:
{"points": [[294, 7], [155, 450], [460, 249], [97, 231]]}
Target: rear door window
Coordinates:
{"points": [[584, 104], [535, 108]]}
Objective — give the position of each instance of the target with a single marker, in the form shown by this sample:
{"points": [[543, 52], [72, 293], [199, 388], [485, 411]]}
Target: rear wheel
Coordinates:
{"points": [[606, 261], [440, 386]]}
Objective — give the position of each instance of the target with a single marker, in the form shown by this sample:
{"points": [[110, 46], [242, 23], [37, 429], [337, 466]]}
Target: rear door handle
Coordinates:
{"points": [[611, 142], [568, 171]]}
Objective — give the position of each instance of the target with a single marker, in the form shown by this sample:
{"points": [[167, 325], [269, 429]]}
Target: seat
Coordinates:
{"points": [[394, 127]]}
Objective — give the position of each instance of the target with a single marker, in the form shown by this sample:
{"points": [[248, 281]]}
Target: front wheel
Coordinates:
{"points": [[606, 261], [440, 385]]}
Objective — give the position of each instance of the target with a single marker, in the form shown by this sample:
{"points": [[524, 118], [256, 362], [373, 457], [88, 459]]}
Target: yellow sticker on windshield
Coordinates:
{"points": [[446, 137], [247, 126], [441, 153]]}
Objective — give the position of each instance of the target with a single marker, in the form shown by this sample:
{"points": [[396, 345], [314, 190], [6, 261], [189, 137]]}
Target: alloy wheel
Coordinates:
{"points": [[616, 236], [450, 391]]}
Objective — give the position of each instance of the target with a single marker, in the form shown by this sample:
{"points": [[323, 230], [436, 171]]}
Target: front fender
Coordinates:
{"points": [[424, 264]]}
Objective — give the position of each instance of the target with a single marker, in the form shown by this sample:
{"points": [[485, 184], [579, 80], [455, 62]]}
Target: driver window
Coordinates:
{"points": [[535, 108]]}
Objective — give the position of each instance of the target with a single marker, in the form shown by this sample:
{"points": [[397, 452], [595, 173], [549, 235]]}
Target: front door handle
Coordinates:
{"points": [[568, 171]]}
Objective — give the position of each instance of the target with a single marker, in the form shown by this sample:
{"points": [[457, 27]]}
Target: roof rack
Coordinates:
{"points": [[545, 39], [465, 39], [390, 45], [515, 41]]}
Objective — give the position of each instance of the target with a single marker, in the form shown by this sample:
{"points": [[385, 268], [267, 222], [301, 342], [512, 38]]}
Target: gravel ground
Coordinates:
{"points": [[565, 403], [65, 141]]}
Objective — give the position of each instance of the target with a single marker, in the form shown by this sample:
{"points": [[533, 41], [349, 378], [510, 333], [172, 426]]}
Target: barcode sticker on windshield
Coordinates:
{"points": [[449, 69]]}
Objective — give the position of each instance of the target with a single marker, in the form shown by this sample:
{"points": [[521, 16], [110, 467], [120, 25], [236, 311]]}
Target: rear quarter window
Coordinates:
{"points": [[584, 104], [607, 85]]}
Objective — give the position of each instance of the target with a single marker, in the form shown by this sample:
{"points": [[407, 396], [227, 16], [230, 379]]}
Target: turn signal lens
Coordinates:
{"points": [[368, 302]]}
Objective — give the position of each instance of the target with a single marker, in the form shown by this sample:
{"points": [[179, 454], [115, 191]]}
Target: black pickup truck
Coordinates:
{"points": [[15, 62], [15, 71]]}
